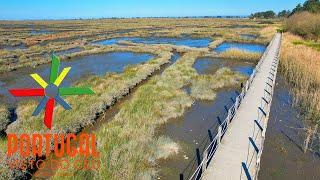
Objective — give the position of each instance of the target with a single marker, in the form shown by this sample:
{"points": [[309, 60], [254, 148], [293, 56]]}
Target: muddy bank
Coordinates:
{"points": [[248, 36], [68, 51], [283, 157]]}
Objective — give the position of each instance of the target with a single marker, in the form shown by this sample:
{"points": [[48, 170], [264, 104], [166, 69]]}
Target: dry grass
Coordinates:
{"points": [[264, 34], [80, 33], [4, 121], [268, 33], [5, 173], [304, 24], [216, 43], [4, 118], [301, 66], [240, 55]]}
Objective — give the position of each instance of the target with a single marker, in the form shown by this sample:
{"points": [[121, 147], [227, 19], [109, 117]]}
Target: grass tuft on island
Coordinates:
{"points": [[237, 54], [204, 86]]}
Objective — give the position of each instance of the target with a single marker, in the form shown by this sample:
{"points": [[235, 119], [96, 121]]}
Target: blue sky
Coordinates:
{"points": [[64, 9]]}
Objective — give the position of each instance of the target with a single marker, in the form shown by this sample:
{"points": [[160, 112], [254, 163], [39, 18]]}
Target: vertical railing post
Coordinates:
{"points": [[258, 158], [263, 133], [199, 163], [258, 164], [246, 171], [237, 102], [226, 108], [198, 156], [181, 176], [247, 86], [219, 120], [205, 160], [229, 117], [209, 154], [210, 135], [219, 134]]}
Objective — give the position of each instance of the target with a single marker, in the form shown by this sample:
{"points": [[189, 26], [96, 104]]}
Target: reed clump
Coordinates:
{"points": [[304, 24], [301, 67], [234, 53]]}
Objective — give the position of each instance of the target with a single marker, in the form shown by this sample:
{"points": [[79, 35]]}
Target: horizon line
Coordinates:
{"points": [[137, 17]]}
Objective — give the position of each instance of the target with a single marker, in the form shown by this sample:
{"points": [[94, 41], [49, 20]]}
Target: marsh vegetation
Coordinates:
{"points": [[4, 118], [300, 66], [130, 141]]}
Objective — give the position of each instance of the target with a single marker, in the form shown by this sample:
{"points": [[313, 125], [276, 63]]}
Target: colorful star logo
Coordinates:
{"points": [[51, 92]]}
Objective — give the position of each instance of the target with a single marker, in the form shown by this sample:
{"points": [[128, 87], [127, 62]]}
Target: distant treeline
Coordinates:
{"points": [[265, 14], [312, 6]]}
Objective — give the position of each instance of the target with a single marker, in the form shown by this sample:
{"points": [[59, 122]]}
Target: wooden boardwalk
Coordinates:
{"points": [[235, 145]]}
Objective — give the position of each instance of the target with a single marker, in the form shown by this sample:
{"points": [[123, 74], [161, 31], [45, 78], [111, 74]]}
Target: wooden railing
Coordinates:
{"points": [[250, 168], [210, 150]]}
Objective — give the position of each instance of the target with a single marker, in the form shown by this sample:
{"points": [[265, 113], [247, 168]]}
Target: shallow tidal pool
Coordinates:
{"points": [[255, 48], [81, 67], [183, 41]]}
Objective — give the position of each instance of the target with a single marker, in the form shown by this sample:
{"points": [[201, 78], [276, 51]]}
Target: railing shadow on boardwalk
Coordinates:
{"points": [[251, 167], [196, 167]]}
